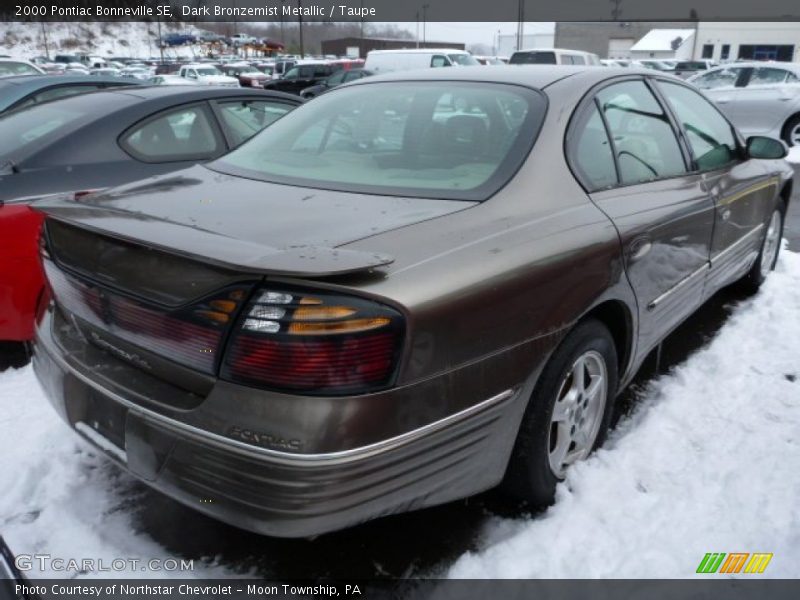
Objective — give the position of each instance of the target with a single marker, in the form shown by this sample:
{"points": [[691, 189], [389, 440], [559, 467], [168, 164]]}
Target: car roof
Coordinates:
{"points": [[418, 51], [794, 67], [534, 76]]}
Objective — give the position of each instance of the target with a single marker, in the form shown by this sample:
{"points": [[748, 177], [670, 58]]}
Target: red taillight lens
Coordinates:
{"points": [[315, 343], [190, 336]]}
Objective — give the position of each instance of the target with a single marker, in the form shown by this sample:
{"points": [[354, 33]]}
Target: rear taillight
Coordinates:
{"points": [[189, 335], [317, 343]]}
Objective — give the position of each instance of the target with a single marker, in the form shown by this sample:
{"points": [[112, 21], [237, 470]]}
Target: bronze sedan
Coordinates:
{"points": [[415, 288]]}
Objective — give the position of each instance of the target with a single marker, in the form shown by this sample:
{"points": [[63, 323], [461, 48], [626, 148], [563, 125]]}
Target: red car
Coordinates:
{"points": [[21, 277]]}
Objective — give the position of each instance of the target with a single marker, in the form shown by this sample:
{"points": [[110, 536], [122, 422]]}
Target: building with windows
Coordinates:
{"points": [[719, 41], [608, 39], [724, 41]]}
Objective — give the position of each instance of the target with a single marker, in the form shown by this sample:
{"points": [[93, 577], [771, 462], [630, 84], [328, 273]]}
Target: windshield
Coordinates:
{"points": [[206, 71], [466, 60], [443, 140], [15, 68], [21, 129]]}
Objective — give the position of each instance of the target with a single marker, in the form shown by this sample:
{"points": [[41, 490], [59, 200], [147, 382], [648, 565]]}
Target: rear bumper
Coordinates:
{"points": [[277, 493]]}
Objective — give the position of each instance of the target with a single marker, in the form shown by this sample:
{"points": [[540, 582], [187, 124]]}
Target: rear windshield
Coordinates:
{"points": [[450, 140], [8, 68], [23, 129], [533, 58]]}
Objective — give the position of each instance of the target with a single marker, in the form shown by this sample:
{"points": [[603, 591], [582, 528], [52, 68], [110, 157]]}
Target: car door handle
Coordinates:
{"points": [[723, 100]]}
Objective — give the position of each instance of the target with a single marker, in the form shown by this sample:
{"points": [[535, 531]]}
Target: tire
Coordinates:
{"points": [[768, 254], [531, 477], [791, 131]]}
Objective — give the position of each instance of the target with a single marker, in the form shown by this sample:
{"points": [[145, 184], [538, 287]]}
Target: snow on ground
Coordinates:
{"points": [[710, 462], [135, 39], [60, 497]]}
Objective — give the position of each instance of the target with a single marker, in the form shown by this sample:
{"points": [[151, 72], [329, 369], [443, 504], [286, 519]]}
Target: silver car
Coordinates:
{"points": [[760, 98]]}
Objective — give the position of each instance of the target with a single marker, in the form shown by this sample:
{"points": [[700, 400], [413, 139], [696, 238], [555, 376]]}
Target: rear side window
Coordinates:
{"points": [[533, 58], [644, 141], [710, 136], [182, 134], [592, 156], [242, 119], [771, 76], [427, 139]]}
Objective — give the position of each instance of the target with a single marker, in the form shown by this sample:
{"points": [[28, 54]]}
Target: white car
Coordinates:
{"points": [[10, 67], [171, 80], [207, 75], [385, 61], [553, 56], [240, 39], [760, 98]]}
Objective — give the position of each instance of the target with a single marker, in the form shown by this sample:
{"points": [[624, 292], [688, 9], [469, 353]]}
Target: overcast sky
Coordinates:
{"points": [[473, 33]]}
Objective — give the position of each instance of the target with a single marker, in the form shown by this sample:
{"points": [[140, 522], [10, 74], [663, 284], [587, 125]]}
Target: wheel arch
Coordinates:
{"points": [[787, 122], [618, 318]]}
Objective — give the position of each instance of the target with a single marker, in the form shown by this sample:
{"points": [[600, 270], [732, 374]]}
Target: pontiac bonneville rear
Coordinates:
{"points": [[412, 289]]}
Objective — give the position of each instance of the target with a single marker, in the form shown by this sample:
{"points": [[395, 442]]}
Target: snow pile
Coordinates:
{"points": [[710, 462], [794, 155]]}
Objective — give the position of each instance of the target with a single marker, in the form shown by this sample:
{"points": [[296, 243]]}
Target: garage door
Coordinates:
{"points": [[620, 47]]}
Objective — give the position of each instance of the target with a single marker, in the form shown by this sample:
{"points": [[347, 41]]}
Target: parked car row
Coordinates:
{"points": [[411, 289]]}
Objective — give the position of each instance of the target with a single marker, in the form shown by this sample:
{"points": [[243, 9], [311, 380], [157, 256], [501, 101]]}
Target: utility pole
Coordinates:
{"points": [[160, 41], [300, 21], [46, 47], [417, 35], [283, 38], [424, 23], [520, 24]]}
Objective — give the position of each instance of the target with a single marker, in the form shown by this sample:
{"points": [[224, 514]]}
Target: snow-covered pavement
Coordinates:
{"points": [[710, 462]]}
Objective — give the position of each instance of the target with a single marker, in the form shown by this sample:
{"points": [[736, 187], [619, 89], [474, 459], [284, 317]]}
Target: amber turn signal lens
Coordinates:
{"points": [[351, 326], [322, 313], [213, 315], [226, 306]]}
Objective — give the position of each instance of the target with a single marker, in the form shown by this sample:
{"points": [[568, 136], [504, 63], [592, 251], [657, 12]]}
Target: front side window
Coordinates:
{"points": [[718, 78], [439, 61], [181, 134], [644, 140], [336, 78], [443, 140], [578, 60], [710, 136], [242, 119], [465, 60], [592, 156]]}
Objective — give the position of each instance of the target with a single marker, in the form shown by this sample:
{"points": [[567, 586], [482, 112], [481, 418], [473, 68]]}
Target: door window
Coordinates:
{"points": [[644, 140], [710, 136], [592, 156], [438, 61], [718, 78], [242, 119], [182, 134]]}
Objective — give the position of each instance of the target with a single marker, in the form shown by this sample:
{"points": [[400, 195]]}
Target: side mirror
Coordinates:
{"points": [[763, 147]]}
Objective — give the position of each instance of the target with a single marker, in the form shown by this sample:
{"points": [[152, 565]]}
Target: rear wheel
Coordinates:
{"points": [[568, 415], [768, 255], [791, 131]]}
